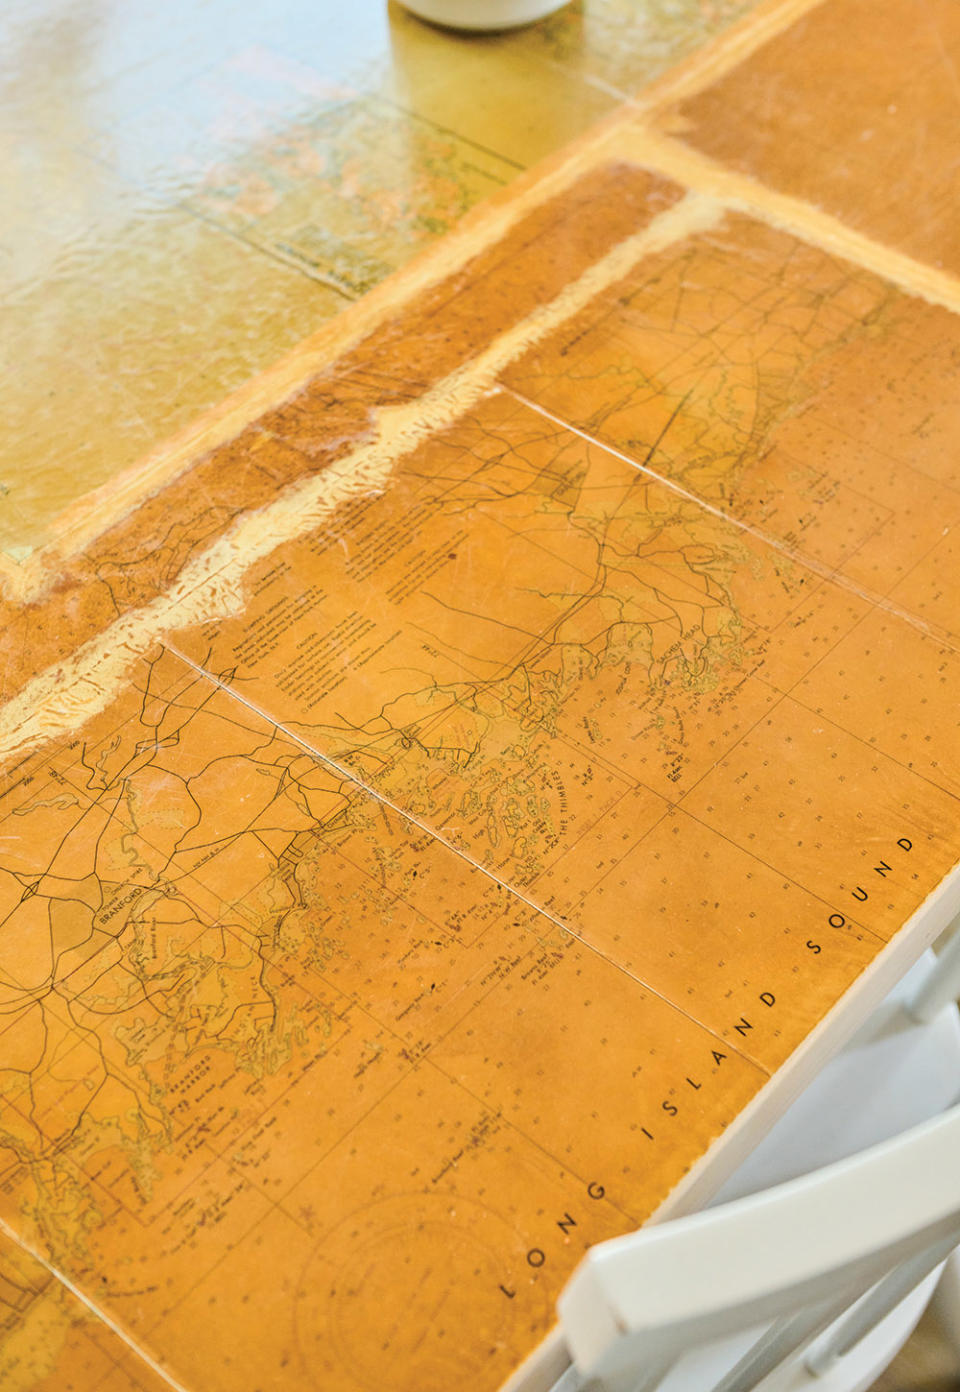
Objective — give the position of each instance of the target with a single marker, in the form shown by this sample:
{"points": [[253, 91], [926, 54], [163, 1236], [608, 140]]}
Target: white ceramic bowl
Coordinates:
{"points": [[478, 15]]}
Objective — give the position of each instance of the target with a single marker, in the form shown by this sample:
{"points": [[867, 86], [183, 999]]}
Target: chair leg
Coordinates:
{"points": [[942, 985], [945, 1304]]}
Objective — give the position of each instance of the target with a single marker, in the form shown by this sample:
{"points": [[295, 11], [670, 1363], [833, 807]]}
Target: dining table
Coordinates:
{"points": [[479, 650]]}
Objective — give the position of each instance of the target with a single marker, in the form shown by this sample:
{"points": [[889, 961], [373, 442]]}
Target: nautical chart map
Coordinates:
{"points": [[428, 821]]}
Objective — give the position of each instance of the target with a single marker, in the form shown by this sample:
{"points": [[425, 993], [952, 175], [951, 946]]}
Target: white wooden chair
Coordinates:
{"points": [[814, 1283]]}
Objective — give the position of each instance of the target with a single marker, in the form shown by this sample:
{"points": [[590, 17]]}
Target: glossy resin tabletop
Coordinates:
{"points": [[457, 788]]}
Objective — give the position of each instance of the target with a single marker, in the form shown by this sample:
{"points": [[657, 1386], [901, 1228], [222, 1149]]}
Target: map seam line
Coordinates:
{"points": [[816, 567], [729, 50], [700, 173], [482, 869], [77, 1292]]}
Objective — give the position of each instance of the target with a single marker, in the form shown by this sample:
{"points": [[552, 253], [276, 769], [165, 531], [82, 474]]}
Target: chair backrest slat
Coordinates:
{"points": [[634, 1380], [784, 1338], [942, 983], [798, 1255], [569, 1381], [880, 1301]]}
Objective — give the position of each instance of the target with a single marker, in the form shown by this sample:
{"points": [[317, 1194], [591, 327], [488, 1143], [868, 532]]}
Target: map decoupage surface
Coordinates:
{"points": [[441, 790]]}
